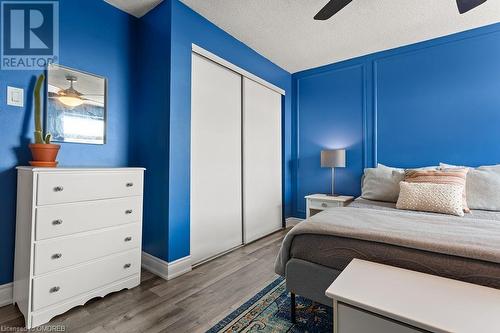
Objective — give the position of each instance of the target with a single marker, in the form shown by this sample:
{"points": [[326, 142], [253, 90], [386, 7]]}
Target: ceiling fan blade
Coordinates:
{"points": [[331, 8], [466, 5]]}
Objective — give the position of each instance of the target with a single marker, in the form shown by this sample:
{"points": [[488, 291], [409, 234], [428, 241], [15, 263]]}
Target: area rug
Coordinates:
{"points": [[269, 311]]}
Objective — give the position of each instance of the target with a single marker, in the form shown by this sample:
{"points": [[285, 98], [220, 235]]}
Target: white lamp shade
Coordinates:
{"points": [[333, 158]]}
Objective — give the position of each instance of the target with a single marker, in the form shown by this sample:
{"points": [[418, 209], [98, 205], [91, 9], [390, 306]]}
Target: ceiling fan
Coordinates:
{"points": [[71, 97], [334, 6]]}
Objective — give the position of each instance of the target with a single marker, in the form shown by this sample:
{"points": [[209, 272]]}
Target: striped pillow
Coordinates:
{"points": [[444, 176]]}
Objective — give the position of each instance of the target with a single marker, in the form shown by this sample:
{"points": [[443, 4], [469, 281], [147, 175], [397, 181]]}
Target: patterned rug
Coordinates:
{"points": [[269, 311]]}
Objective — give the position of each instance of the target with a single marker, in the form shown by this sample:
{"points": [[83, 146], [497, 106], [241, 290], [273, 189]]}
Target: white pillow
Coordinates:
{"points": [[431, 197], [433, 167], [451, 166], [381, 183], [482, 187]]}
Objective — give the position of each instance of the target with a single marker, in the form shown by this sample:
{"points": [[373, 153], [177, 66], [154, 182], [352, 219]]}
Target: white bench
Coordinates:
{"points": [[375, 298]]}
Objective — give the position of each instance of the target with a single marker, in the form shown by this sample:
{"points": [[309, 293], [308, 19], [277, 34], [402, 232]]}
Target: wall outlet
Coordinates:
{"points": [[15, 96]]}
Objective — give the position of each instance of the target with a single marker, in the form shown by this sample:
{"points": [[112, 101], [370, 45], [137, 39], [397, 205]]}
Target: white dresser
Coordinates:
{"points": [[78, 236]]}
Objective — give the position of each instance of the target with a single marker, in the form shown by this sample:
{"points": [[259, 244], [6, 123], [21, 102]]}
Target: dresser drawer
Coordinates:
{"points": [[66, 219], [54, 254], [56, 287], [54, 188], [319, 204]]}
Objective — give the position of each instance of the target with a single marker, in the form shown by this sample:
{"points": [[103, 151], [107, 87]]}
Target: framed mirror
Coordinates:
{"points": [[76, 106]]}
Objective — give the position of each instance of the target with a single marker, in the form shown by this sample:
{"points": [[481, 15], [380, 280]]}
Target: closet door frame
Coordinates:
{"points": [[197, 50], [215, 58]]}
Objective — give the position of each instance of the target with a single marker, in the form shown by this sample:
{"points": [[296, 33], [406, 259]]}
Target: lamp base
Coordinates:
{"points": [[332, 195]]}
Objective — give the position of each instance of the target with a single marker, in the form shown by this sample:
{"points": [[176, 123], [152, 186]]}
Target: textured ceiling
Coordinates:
{"points": [[284, 30], [92, 87], [135, 7]]}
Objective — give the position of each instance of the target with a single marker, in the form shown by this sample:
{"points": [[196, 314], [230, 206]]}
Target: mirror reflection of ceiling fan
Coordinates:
{"points": [[72, 97], [334, 6]]}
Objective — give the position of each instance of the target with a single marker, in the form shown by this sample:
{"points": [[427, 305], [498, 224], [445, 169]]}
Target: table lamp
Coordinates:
{"points": [[333, 159]]}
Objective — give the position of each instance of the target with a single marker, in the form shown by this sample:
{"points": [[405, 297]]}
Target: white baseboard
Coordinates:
{"points": [[292, 221], [166, 270], [178, 267], [6, 294]]}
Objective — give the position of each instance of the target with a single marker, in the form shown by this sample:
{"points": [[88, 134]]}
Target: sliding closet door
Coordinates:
{"points": [[216, 193], [261, 160]]}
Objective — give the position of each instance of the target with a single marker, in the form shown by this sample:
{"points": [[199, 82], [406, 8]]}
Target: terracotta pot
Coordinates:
{"points": [[44, 154]]}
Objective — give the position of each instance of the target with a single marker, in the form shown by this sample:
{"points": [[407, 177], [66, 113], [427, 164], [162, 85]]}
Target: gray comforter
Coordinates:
{"points": [[475, 236]]}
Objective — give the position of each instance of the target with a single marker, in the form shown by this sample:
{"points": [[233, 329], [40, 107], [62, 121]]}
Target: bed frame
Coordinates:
{"points": [[308, 280]]}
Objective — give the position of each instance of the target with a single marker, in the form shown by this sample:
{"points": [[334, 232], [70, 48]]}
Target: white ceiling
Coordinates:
{"points": [[92, 87], [134, 7], [284, 30]]}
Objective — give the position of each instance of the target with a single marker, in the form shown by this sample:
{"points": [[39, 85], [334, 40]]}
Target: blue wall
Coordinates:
{"points": [[435, 101], [168, 111], [331, 105], [150, 123], [94, 37]]}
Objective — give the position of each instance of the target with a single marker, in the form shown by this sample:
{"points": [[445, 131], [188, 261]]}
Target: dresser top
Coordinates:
{"points": [[426, 301], [74, 169]]}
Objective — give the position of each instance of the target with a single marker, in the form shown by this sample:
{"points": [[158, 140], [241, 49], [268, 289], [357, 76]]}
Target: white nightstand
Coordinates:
{"points": [[316, 203]]}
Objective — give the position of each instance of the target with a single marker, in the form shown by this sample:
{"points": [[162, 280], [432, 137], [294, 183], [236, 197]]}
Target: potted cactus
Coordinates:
{"points": [[44, 153]]}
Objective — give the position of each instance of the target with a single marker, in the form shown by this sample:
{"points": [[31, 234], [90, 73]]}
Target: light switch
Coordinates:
{"points": [[15, 96]]}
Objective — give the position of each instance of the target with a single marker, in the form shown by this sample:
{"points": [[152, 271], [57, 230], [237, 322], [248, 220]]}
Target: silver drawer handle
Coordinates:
{"points": [[129, 184], [57, 222], [128, 211], [127, 266], [56, 256], [54, 289], [128, 239], [324, 205], [58, 189]]}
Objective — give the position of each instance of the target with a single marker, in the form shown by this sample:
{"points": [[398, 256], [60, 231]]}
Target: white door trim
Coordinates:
{"points": [[207, 54]]}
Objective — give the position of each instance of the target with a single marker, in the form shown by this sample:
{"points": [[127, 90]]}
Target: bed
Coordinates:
{"points": [[316, 251]]}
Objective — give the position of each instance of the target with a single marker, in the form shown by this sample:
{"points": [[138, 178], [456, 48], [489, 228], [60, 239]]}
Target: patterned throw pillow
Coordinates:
{"points": [[431, 197], [445, 176]]}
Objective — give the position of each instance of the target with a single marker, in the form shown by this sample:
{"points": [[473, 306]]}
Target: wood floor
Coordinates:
{"points": [[191, 303]]}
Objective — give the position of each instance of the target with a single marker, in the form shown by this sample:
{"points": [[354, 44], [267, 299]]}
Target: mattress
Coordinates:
{"points": [[336, 252], [389, 206]]}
